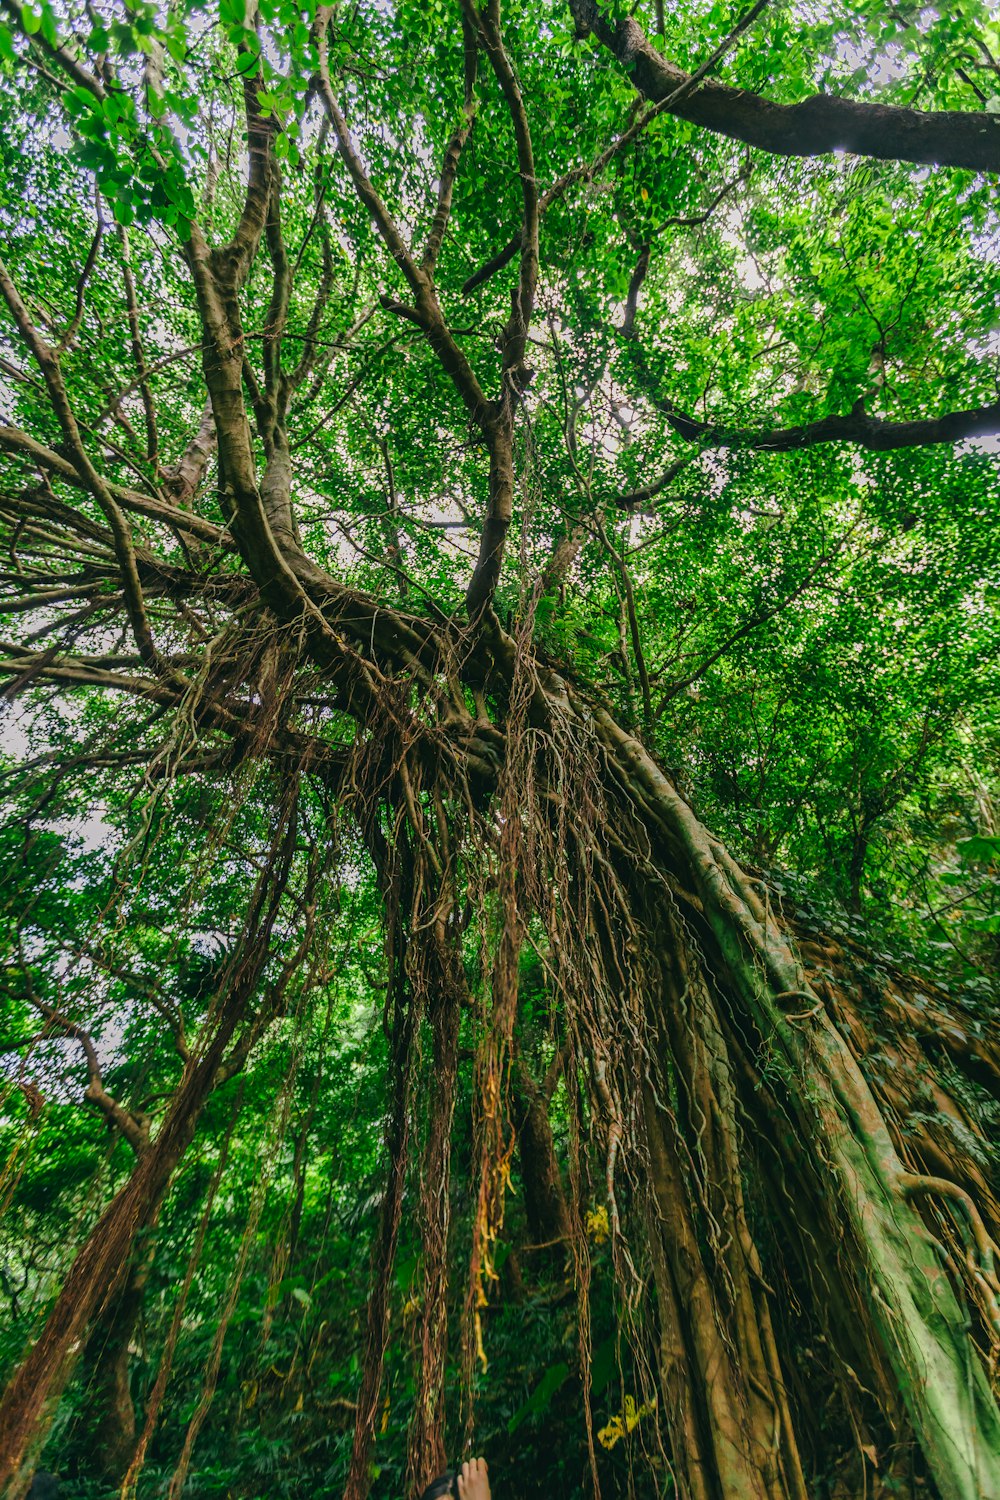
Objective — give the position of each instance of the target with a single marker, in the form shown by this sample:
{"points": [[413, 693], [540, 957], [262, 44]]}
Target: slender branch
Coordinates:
{"points": [[522, 303], [587, 171], [755, 621], [73, 328], [363, 186], [453, 151], [310, 347], [135, 338], [427, 312], [134, 1127], [277, 313], [516, 373], [48, 362], [145, 987]]}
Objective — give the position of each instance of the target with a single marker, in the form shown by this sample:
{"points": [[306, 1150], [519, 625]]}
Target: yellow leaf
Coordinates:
{"points": [[609, 1435], [628, 1421], [597, 1225]]}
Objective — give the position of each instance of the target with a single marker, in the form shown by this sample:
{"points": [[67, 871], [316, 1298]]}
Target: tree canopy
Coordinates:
{"points": [[499, 620]]}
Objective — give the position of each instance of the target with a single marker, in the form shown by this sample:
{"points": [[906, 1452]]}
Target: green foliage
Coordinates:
{"points": [[806, 639]]}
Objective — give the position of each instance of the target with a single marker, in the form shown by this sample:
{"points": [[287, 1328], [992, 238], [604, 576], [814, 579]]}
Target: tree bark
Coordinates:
{"points": [[427, 1449], [812, 127], [910, 1303], [110, 1416], [545, 1207]]}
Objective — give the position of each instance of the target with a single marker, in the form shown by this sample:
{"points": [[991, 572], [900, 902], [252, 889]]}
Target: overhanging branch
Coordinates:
{"points": [[812, 127], [874, 433]]}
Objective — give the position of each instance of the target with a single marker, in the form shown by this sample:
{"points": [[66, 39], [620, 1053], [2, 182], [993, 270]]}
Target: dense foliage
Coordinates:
{"points": [[450, 459]]}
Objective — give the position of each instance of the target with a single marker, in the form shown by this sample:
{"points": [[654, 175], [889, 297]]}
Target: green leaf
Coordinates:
{"points": [[538, 1402], [980, 849], [49, 29], [603, 1365]]}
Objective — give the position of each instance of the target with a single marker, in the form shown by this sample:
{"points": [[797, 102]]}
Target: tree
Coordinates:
{"points": [[456, 574]]}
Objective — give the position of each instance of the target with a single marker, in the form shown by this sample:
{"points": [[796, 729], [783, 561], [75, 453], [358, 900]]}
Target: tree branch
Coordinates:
{"points": [[134, 1127], [15, 441], [427, 312], [813, 127], [875, 433], [453, 152], [48, 362]]}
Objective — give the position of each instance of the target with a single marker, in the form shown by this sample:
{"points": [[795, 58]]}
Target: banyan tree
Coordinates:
{"points": [[491, 492]]}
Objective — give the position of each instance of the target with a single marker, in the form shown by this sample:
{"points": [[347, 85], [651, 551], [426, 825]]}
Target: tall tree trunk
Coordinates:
{"points": [[109, 1419], [427, 1451], [99, 1270], [910, 1304], [96, 1274], [545, 1206]]}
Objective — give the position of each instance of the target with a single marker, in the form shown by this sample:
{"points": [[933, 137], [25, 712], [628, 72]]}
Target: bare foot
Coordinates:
{"points": [[473, 1481]]}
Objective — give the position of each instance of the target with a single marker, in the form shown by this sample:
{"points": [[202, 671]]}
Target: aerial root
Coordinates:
{"points": [[981, 1253]]}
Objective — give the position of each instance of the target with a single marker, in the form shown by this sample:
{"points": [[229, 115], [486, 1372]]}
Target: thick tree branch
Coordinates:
{"points": [[183, 479], [813, 127], [13, 440], [260, 145], [636, 499], [875, 433]]}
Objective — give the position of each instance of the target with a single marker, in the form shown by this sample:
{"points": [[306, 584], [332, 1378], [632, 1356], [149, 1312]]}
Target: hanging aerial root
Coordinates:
{"points": [[982, 1253]]}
